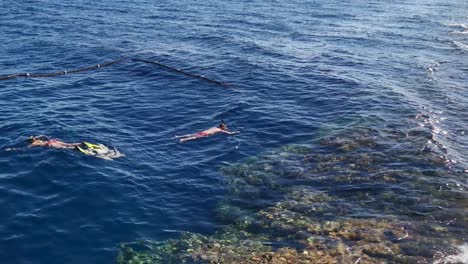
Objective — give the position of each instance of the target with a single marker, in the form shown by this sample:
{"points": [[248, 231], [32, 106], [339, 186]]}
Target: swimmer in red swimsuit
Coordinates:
{"points": [[43, 141], [222, 128]]}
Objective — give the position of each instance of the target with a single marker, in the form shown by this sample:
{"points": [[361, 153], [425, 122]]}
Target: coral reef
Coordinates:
{"points": [[363, 196]]}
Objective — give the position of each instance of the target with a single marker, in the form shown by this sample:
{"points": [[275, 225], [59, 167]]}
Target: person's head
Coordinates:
{"points": [[37, 140], [223, 125]]}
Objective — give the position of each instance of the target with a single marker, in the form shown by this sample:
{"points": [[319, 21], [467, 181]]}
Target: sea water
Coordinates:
{"points": [[358, 107]]}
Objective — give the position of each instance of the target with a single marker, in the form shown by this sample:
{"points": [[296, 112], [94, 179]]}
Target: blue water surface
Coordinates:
{"points": [[294, 68]]}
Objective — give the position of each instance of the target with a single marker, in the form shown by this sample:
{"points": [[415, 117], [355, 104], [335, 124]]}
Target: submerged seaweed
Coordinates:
{"points": [[363, 195]]}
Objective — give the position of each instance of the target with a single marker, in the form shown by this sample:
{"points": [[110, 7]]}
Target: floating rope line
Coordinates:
{"points": [[109, 63], [52, 74], [182, 72]]}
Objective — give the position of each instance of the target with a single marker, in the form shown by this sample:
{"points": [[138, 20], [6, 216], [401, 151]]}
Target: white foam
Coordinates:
{"points": [[461, 257], [104, 152], [110, 154]]}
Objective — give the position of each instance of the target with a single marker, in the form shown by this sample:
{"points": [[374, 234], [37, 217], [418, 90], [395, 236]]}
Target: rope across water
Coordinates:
{"points": [[109, 63], [53, 74], [181, 71]]}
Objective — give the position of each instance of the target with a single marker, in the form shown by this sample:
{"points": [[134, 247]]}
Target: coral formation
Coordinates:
{"points": [[364, 196]]}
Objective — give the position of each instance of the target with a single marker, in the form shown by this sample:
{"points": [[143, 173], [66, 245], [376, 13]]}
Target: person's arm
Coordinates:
{"points": [[231, 133]]}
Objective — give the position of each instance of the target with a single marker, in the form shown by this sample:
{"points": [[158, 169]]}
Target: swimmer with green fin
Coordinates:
{"points": [[222, 128], [98, 150]]}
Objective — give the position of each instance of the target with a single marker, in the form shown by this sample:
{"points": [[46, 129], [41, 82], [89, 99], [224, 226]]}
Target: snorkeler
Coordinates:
{"points": [[44, 141], [222, 128], [97, 150]]}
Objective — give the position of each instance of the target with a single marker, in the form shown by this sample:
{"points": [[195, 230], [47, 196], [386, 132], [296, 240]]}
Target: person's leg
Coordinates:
{"points": [[71, 145], [187, 138], [183, 136]]}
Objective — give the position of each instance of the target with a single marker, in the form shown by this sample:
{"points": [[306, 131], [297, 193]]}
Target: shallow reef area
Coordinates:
{"points": [[360, 195]]}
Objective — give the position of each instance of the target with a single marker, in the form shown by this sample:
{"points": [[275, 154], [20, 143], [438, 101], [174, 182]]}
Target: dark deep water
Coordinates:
{"points": [[299, 71]]}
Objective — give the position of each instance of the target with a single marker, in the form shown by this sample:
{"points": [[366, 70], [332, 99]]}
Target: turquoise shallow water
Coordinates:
{"points": [[299, 71]]}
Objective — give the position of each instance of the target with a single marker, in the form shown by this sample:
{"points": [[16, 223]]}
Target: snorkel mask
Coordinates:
{"points": [[40, 137], [223, 125]]}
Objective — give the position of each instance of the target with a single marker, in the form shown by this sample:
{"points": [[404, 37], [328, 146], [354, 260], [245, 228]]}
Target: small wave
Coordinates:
{"points": [[460, 45], [460, 25], [463, 27], [464, 32], [432, 120]]}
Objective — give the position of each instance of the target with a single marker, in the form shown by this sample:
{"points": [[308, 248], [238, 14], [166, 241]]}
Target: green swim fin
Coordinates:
{"points": [[91, 145], [84, 151]]}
